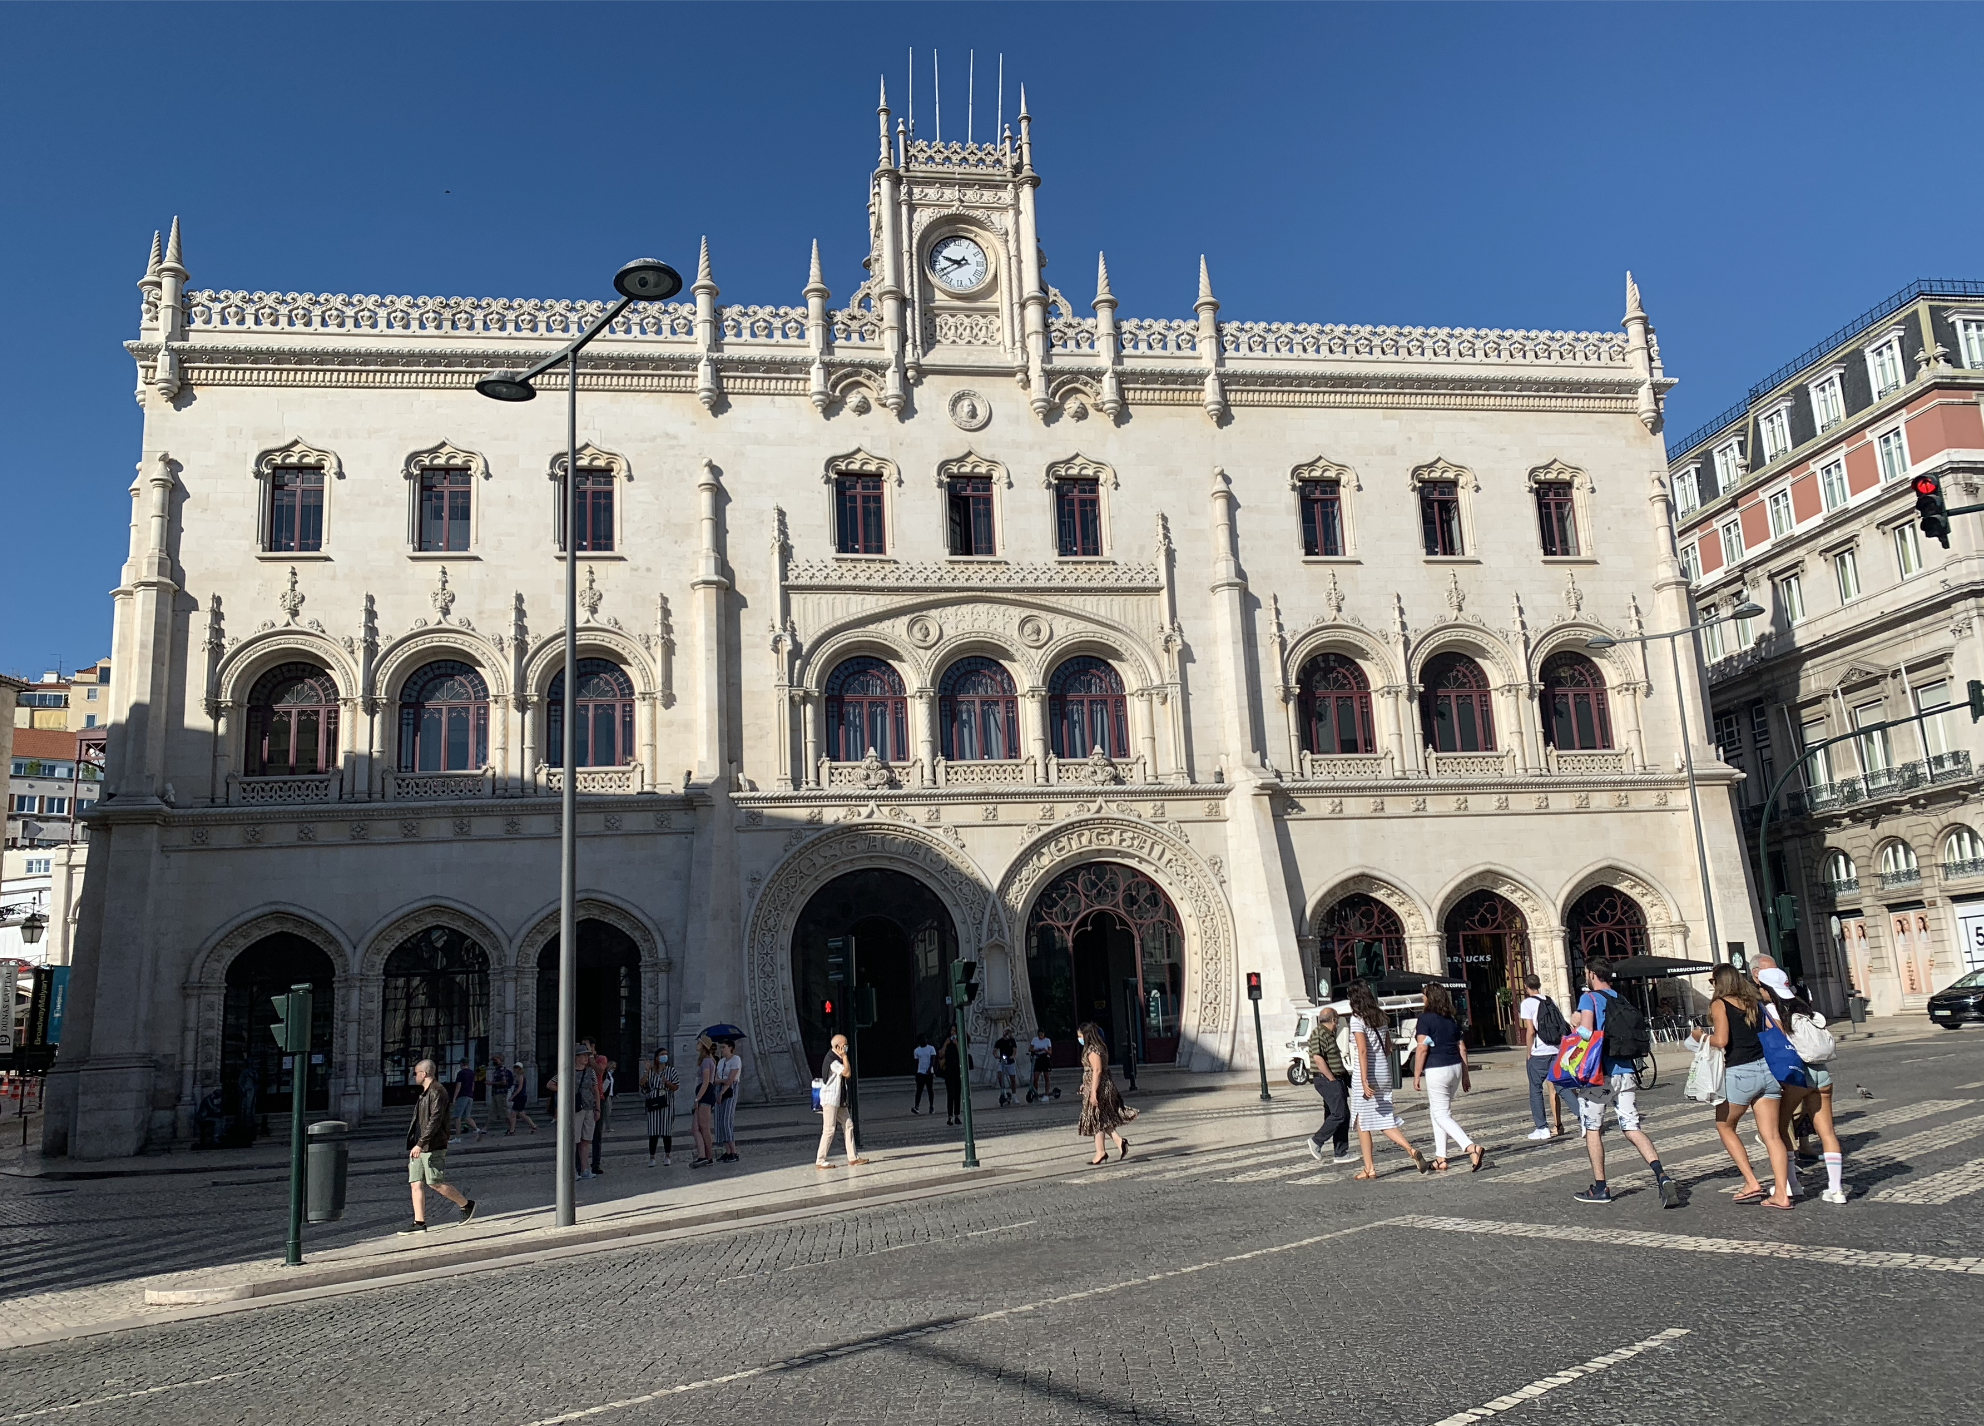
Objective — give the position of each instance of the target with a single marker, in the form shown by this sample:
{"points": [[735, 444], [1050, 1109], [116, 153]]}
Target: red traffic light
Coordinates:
{"points": [[828, 1006], [1253, 985], [1928, 485]]}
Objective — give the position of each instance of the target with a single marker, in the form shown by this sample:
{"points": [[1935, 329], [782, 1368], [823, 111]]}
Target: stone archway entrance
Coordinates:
{"points": [[435, 1006], [607, 1007], [1104, 943], [255, 1078], [1488, 948], [904, 942]]}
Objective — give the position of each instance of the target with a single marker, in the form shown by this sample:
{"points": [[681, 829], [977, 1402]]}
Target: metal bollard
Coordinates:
{"points": [[329, 1161]]}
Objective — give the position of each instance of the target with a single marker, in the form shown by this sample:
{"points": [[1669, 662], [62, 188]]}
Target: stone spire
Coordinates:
{"points": [[1103, 296], [171, 324], [173, 262], [1209, 350], [148, 288], [814, 277], [1206, 299], [1640, 356], [705, 290], [151, 267], [1107, 349], [818, 334], [882, 110]]}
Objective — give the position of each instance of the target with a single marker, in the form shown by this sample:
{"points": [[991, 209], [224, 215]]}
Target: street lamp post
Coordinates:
{"points": [[1746, 610], [642, 280]]}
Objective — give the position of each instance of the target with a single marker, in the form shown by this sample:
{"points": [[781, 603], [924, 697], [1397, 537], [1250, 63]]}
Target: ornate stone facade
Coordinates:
{"points": [[1104, 520]]}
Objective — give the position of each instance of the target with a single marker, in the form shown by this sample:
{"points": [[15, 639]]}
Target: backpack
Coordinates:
{"points": [[1551, 1026], [1626, 1032]]}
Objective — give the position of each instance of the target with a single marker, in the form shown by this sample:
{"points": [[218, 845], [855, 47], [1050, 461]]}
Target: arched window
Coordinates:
{"points": [[1604, 923], [1335, 706], [1455, 706], [292, 722], [603, 731], [1898, 864], [1963, 852], [434, 1006], [866, 708], [1358, 938], [980, 711], [1087, 709], [1576, 717], [444, 719], [1841, 874]]}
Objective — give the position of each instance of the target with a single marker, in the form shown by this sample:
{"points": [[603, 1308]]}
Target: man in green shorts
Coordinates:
{"points": [[427, 1149]]}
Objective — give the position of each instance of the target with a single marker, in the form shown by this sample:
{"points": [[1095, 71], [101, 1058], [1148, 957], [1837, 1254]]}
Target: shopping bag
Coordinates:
{"points": [[1705, 1074], [1580, 1060]]}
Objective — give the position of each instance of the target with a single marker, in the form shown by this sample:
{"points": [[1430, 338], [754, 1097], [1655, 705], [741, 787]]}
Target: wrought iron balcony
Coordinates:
{"points": [[1955, 871], [1892, 879], [1948, 767]]}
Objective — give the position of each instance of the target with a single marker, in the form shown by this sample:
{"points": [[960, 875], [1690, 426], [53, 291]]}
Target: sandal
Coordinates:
{"points": [[1753, 1195], [1419, 1162], [1439, 1166], [1479, 1156], [1773, 1203], [1364, 1174]]}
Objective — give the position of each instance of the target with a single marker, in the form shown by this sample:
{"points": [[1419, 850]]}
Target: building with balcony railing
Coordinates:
{"points": [[1800, 498]]}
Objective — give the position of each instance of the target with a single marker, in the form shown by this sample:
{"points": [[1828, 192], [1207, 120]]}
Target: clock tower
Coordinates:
{"points": [[955, 262]]}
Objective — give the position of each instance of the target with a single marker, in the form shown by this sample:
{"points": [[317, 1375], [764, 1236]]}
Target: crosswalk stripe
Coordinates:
{"points": [[1937, 1188], [1688, 1243]]}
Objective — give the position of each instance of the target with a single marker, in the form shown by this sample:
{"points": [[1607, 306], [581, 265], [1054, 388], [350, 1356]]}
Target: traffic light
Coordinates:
{"points": [[1976, 699], [1787, 914], [1929, 505], [1253, 985], [964, 981], [837, 958], [292, 1027], [865, 1011], [827, 1010]]}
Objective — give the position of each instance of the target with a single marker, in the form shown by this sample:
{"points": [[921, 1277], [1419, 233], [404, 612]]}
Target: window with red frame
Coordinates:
{"points": [[296, 510], [444, 719], [859, 524], [292, 722], [1078, 517], [1322, 518], [979, 710], [971, 516], [595, 509], [1086, 710], [867, 708], [1456, 706], [444, 508], [603, 725], [1335, 705], [1556, 517], [1439, 517], [1575, 714]]}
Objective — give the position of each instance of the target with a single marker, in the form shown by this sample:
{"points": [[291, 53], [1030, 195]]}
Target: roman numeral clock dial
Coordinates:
{"points": [[958, 264]]}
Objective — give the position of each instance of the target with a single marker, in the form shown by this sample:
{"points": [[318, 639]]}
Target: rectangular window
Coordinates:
{"points": [[1729, 738], [1935, 730], [1894, 454], [1078, 517], [1745, 630], [858, 515], [444, 507], [594, 515], [1714, 641], [89, 720], [1728, 466], [1818, 768], [1760, 727], [1732, 542], [1780, 514], [1907, 551], [26, 803], [1322, 518], [1832, 484], [1828, 404], [1554, 514], [1691, 562], [1884, 367], [1789, 594], [1687, 489], [970, 499], [1876, 754], [1846, 573], [1970, 338], [55, 806], [89, 695], [40, 866], [1776, 428], [1439, 517], [296, 510]]}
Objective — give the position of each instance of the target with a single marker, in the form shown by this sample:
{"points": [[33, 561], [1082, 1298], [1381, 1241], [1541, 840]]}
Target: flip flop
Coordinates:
{"points": [[1752, 1195], [1365, 1174], [1773, 1203]]}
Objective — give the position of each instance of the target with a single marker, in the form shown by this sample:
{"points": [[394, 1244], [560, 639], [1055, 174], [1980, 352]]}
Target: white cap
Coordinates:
{"points": [[1777, 980]]}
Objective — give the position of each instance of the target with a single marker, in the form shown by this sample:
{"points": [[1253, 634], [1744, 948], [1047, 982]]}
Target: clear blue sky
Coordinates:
{"points": [[1767, 172]]}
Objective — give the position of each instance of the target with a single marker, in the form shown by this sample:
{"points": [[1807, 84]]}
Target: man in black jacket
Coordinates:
{"points": [[427, 1149]]}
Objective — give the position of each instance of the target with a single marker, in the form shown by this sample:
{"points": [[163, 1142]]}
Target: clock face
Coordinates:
{"points": [[959, 264]]}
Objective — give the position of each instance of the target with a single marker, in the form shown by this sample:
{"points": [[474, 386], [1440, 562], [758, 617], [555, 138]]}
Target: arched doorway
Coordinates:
{"points": [[1488, 948], [904, 942], [1104, 943], [255, 1080], [434, 1006], [607, 1008], [1606, 922], [1357, 938]]}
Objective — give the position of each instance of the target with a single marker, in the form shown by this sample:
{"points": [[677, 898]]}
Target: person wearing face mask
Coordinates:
{"points": [[1103, 1110], [659, 1086]]}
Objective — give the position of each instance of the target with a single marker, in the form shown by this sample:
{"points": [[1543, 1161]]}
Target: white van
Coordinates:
{"points": [[1403, 1010]]}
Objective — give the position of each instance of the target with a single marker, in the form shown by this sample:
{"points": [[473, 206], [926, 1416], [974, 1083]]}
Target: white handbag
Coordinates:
{"points": [[1705, 1074], [1811, 1039]]}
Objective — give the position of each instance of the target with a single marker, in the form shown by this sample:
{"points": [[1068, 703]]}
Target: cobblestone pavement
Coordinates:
{"points": [[1242, 1282]]}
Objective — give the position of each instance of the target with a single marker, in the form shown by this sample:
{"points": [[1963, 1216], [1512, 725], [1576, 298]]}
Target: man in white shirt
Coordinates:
{"points": [[1542, 1054], [1043, 1065], [926, 1074]]}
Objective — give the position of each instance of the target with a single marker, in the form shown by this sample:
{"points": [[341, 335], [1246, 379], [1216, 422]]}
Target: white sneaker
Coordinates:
{"points": [[1539, 1134], [650, 1160], [1833, 1195], [666, 1160], [1315, 1149]]}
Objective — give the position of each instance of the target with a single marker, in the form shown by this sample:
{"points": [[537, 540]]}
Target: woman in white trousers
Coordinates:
{"points": [[1440, 1068]]}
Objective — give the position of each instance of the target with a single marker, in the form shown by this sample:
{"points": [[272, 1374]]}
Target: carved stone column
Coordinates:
{"points": [[647, 714], [376, 755], [1033, 727], [810, 721], [527, 710], [923, 717], [1146, 730], [222, 713], [1426, 953]]}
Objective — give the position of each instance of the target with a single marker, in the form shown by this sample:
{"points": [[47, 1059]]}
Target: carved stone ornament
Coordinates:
{"points": [[1098, 768], [1323, 468], [970, 411], [591, 457], [443, 597], [860, 462], [1443, 469], [445, 456], [1573, 596], [294, 455], [291, 599], [1033, 631], [1558, 471], [590, 596], [923, 631], [1333, 597], [1456, 598], [1079, 467], [875, 773], [973, 465]]}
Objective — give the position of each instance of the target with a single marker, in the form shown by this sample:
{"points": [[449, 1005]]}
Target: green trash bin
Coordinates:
{"points": [[327, 1160]]}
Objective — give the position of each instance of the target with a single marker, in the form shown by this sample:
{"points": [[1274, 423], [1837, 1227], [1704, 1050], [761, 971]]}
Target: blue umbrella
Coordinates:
{"points": [[724, 1032]]}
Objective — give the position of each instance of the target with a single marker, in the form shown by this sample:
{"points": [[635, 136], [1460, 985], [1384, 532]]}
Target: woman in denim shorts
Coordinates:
{"points": [[1747, 1083]]}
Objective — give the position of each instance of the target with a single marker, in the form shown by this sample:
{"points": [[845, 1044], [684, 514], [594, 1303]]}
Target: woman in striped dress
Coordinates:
{"points": [[1371, 1079], [659, 1086]]}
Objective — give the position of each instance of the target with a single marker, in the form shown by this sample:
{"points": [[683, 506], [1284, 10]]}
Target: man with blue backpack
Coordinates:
{"points": [[1622, 1036]]}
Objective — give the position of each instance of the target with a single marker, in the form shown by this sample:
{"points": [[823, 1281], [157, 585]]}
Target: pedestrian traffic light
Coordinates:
{"points": [[1929, 505], [964, 981], [1976, 699], [1253, 985], [827, 1011], [292, 1027], [1787, 914]]}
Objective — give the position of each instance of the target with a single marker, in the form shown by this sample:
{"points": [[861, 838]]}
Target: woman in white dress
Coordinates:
{"points": [[1372, 1075]]}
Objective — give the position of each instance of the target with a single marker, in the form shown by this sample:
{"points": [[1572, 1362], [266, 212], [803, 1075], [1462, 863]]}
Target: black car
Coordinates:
{"points": [[1959, 1003]]}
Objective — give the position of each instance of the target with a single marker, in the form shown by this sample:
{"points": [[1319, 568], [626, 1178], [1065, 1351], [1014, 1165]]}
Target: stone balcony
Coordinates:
{"points": [[1878, 784]]}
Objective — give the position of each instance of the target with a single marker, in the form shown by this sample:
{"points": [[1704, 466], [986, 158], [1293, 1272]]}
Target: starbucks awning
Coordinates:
{"points": [[1656, 968]]}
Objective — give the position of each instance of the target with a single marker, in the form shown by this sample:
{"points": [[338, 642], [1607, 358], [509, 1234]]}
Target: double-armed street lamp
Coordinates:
{"points": [[1748, 609], [642, 280]]}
